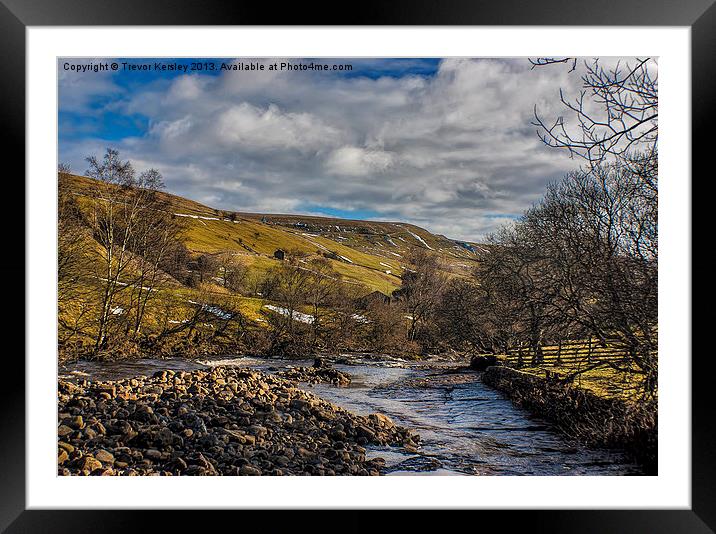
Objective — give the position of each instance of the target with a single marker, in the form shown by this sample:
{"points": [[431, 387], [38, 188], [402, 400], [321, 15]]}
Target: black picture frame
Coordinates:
{"points": [[699, 15]]}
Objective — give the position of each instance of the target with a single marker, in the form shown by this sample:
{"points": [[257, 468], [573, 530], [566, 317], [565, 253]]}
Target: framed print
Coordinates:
{"points": [[407, 261]]}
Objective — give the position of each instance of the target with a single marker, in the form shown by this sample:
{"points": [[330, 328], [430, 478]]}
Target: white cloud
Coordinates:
{"points": [[357, 161], [247, 126]]}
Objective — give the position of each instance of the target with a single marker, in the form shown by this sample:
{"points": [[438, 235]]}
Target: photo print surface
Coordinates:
{"points": [[388, 266]]}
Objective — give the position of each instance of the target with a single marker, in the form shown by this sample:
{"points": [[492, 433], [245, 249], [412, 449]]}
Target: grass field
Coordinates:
{"points": [[577, 358]]}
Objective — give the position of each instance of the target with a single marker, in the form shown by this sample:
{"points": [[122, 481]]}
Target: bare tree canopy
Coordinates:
{"points": [[614, 115], [580, 264]]}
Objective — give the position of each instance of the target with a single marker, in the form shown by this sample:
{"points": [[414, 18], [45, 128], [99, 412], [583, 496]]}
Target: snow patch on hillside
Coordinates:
{"points": [[199, 217], [295, 315], [416, 236]]}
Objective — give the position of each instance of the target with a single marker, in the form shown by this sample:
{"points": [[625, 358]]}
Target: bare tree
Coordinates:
{"points": [[582, 263], [153, 239], [320, 291], [176, 261], [614, 215], [614, 115], [288, 290], [464, 317], [232, 271], [207, 267], [385, 328], [133, 232], [421, 289], [112, 220], [345, 321], [601, 225], [515, 278]]}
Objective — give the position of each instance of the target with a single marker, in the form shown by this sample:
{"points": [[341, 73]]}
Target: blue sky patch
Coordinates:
{"points": [[340, 213]]}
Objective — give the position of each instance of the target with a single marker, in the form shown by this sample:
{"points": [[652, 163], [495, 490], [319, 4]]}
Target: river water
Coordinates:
{"points": [[466, 427]]}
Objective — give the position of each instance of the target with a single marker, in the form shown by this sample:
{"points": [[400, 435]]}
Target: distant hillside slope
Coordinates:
{"points": [[370, 253]]}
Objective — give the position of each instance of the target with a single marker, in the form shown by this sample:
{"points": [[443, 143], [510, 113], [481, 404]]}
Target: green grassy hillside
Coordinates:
{"points": [[369, 253]]}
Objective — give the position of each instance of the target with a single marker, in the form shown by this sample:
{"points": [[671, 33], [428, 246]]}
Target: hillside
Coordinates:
{"points": [[370, 253]]}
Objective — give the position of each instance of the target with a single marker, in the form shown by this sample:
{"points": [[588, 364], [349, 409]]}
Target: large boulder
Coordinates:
{"points": [[482, 362], [381, 420]]}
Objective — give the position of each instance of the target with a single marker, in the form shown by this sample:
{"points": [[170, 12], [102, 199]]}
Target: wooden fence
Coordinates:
{"points": [[568, 353]]}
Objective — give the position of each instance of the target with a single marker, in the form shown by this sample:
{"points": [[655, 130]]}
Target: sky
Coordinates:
{"points": [[446, 144]]}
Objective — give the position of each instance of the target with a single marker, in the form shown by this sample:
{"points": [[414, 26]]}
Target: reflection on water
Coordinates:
{"points": [[466, 427]]}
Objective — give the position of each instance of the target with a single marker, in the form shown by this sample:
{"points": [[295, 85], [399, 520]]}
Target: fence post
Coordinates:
{"points": [[519, 355], [559, 352]]}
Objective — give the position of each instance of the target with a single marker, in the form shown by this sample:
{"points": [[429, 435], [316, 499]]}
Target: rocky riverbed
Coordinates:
{"points": [[320, 373], [222, 421]]}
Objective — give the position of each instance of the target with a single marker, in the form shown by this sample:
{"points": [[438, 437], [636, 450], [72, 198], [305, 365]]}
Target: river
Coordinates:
{"points": [[467, 428]]}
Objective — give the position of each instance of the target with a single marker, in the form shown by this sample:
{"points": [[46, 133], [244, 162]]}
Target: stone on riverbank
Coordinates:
{"points": [[481, 363], [318, 374], [224, 421]]}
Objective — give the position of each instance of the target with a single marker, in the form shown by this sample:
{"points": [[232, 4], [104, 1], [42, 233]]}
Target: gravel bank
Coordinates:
{"points": [[223, 421]]}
